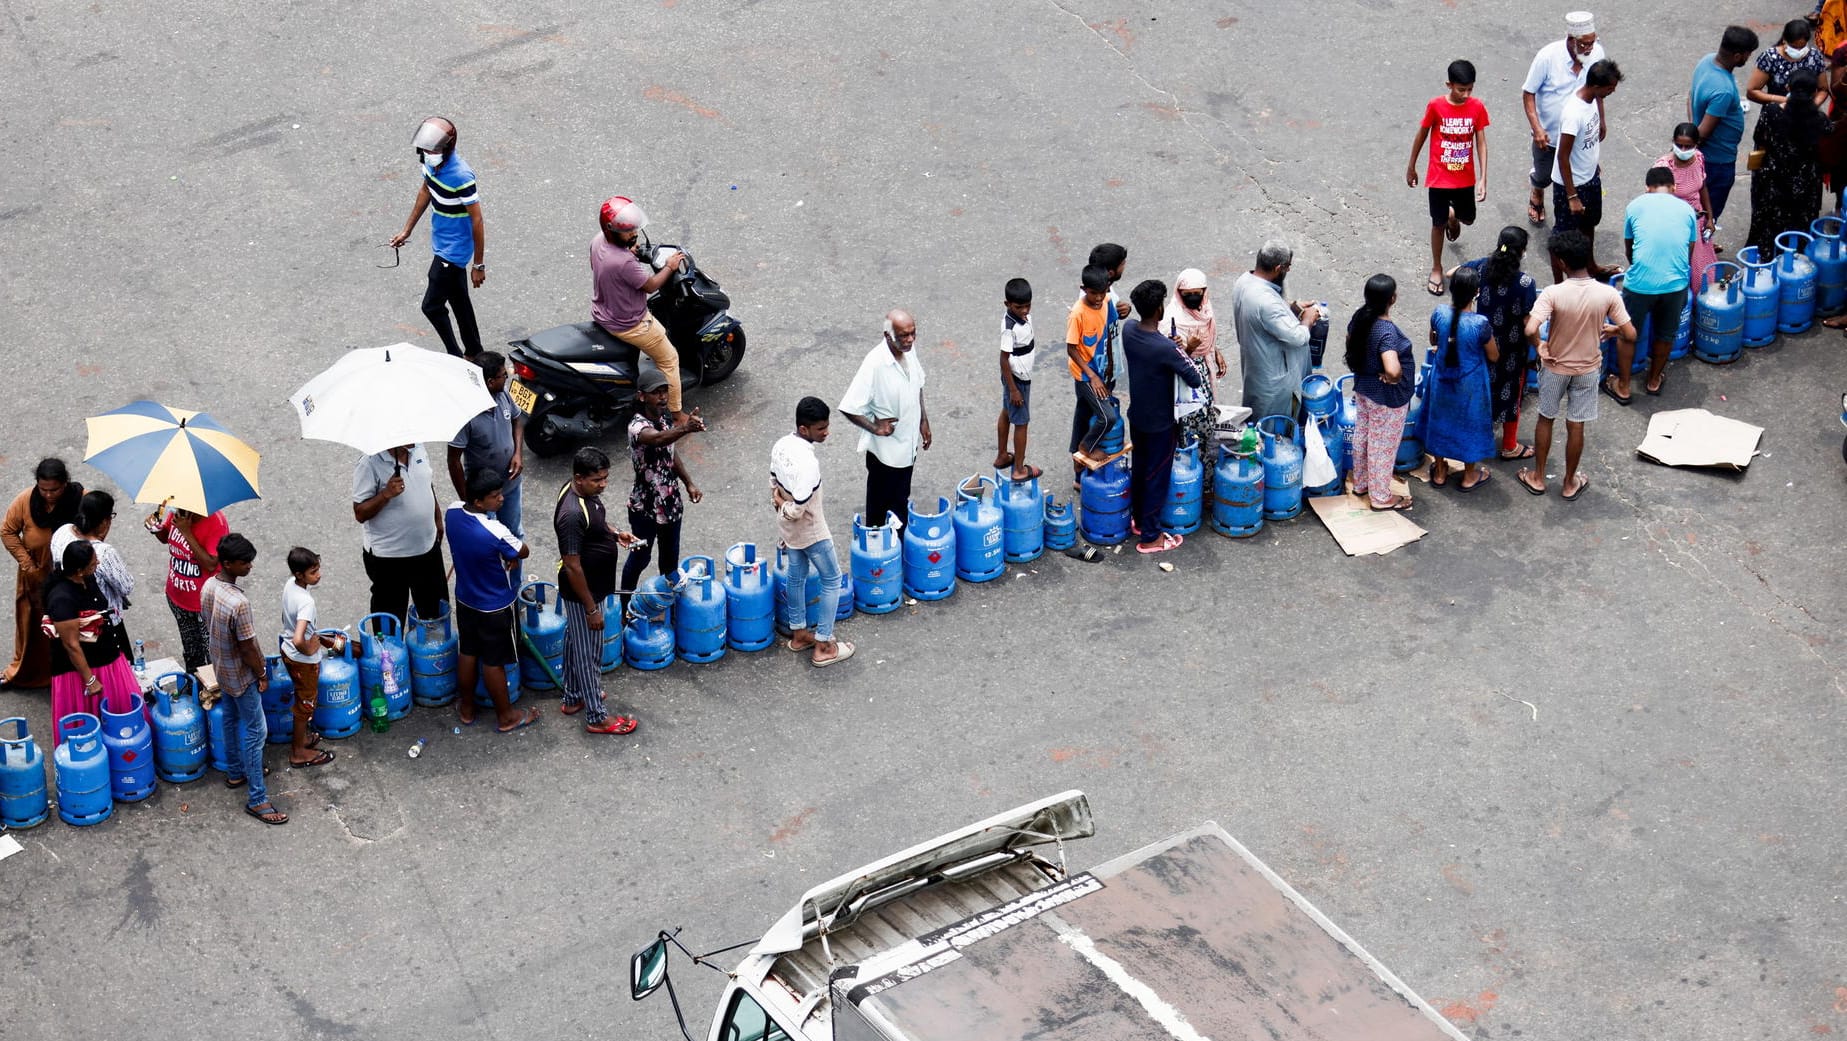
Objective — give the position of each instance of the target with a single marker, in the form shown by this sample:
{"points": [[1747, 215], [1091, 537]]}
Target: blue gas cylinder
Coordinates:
{"points": [[647, 643], [810, 594], [1237, 494], [1060, 525], [1718, 328], [699, 614], [1411, 445], [750, 599], [1185, 491], [877, 565], [384, 664], [540, 610], [1829, 254], [1319, 395], [611, 658], [217, 740], [1104, 496], [1115, 436], [1339, 428], [433, 647], [1282, 467], [843, 604], [1683, 333], [1795, 281], [336, 703], [23, 800], [1760, 298], [1644, 339], [1335, 484], [278, 700], [1532, 357], [179, 727], [130, 742], [83, 771], [980, 554], [654, 599], [1023, 508], [485, 700], [930, 552]]}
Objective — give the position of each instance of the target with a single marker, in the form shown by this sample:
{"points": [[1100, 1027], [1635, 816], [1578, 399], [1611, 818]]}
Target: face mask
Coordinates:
{"points": [[1795, 53], [432, 160], [1685, 154], [1193, 300]]}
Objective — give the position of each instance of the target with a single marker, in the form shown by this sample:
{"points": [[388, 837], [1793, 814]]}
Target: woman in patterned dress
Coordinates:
{"points": [[1507, 297]]}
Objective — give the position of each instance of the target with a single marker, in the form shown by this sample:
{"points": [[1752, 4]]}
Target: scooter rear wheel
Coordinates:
{"points": [[722, 359]]}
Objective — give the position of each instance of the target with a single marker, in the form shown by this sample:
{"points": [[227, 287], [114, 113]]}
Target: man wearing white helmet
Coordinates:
{"points": [[458, 236], [1557, 70], [619, 286]]}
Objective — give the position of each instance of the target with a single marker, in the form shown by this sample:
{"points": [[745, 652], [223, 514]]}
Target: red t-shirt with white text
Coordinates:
{"points": [[184, 576], [1452, 141]]}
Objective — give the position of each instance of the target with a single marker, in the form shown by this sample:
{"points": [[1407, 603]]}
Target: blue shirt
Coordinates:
{"points": [[1154, 362], [452, 191], [479, 544], [1662, 228], [1386, 336], [1716, 93]]}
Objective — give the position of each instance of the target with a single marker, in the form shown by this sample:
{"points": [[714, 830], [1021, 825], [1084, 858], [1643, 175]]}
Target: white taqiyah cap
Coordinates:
{"points": [[1580, 23]]}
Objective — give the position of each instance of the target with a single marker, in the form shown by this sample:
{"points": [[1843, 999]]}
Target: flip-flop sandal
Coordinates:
{"points": [[239, 782], [842, 651], [1535, 215], [1655, 393], [569, 708], [528, 718], [269, 816], [1003, 459], [1032, 473], [1399, 504], [1583, 483], [1530, 490], [1433, 286], [320, 760], [466, 722], [1610, 389], [613, 725], [1486, 476], [1522, 452], [1434, 483], [1452, 230]]}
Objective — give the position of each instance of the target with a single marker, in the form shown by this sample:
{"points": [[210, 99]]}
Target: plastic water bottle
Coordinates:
{"points": [[1318, 336], [378, 710], [141, 660], [417, 749]]}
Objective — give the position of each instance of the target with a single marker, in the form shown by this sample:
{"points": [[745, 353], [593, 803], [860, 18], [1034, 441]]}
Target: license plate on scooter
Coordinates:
{"points": [[522, 396]]}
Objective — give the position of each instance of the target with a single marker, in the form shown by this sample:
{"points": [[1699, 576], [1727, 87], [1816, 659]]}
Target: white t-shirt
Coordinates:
{"points": [[1550, 81], [297, 604], [1580, 118], [1016, 341]]}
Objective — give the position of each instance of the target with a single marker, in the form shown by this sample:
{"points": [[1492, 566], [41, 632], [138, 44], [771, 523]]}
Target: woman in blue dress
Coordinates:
{"points": [[1459, 413]]}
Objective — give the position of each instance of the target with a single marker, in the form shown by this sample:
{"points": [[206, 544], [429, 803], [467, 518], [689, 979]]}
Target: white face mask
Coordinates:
{"points": [[1795, 53], [432, 160], [1685, 154]]}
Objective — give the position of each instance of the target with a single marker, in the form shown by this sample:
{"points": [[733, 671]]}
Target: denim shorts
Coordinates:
{"points": [[1018, 417], [1579, 394]]}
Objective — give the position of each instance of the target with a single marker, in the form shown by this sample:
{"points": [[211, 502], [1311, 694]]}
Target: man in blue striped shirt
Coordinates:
{"points": [[458, 236]]}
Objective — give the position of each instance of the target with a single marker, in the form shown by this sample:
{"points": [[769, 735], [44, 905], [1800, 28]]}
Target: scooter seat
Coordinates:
{"points": [[583, 341]]}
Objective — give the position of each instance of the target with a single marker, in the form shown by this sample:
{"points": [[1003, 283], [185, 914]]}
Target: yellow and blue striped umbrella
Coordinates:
{"points": [[161, 454]]}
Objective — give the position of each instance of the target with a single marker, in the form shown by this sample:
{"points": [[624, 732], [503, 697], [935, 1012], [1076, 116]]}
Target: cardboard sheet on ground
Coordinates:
{"points": [[1696, 437], [1359, 529]]}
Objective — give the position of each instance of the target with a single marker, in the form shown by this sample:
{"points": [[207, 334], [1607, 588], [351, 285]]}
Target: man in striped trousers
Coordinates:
{"points": [[589, 548]]}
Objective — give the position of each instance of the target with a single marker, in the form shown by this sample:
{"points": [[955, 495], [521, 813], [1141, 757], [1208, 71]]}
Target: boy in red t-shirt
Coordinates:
{"points": [[1458, 175]]}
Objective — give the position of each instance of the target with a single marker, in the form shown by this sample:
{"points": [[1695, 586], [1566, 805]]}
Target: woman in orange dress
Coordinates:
{"points": [[26, 531]]}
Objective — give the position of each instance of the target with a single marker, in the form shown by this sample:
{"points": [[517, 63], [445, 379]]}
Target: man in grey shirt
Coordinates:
{"points": [[395, 503], [1272, 334], [493, 440]]}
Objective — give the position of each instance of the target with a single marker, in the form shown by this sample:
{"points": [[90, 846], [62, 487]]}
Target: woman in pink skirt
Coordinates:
{"points": [[1384, 377], [88, 664]]}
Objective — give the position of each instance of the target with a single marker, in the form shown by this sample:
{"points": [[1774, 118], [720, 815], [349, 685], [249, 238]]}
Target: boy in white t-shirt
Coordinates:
{"points": [[302, 649], [1016, 379]]}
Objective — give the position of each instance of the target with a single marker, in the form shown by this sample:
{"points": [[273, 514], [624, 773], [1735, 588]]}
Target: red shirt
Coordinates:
{"points": [[184, 576], [1452, 141]]}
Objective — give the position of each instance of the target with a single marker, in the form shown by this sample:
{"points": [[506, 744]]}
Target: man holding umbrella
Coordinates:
{"points": [[394, 502]]}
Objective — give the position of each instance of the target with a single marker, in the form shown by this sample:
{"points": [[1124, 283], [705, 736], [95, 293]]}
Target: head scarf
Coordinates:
{"points": [[1183, 321]]}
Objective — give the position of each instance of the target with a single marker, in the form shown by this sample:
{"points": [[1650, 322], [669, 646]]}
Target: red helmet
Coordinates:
{"points": [[621, 213]]}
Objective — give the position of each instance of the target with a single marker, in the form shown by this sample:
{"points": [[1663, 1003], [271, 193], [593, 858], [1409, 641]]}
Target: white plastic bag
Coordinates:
{"points": [[1317, 467]]}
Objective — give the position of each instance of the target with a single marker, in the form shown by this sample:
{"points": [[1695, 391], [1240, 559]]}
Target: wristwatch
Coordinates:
{"points": [[480, 267]]}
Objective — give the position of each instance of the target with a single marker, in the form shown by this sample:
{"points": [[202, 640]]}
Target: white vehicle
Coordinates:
{"points": [[976, 936]]}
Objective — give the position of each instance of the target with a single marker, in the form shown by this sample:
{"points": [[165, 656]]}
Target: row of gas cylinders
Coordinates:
{"points": [[1750, 302]]}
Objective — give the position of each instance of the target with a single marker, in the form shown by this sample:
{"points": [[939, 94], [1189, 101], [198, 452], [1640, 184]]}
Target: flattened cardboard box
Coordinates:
{"points": [[1696, 437]]}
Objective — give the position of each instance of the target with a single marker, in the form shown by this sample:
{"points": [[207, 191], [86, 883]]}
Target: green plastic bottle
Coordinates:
{"points": [[379, 712]]}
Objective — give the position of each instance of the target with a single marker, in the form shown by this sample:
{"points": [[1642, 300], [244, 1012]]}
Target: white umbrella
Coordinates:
{"points": [[382, 397]]}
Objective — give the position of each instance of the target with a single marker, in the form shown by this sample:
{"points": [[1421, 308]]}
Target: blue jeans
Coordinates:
{"points": [[795, 594], [247, 731], [508, 514], [1720, 176]]}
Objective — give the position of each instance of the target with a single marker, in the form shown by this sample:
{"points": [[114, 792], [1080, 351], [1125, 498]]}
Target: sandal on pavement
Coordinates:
{"points": [[1583, 483], [1528, 485], [1443, 481], [1486, 476], [1399, 502], [320, 760], [570, 708], [842, 651], [239, 782], [527, 718], [267, 813], [613, 725], [1520, 452], [1161, 545], [1433, 285], [1535, 213], [1609, 387]]}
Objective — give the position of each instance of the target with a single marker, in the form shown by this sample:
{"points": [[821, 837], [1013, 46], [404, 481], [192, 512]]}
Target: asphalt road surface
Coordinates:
{"points": [[1570, 769]]}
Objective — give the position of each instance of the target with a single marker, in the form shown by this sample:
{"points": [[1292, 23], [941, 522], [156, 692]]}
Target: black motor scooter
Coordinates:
{"points": [[577, 382]]}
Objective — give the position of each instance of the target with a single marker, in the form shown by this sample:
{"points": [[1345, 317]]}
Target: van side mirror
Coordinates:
{"points": [[647, 970]]}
